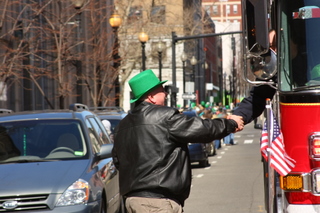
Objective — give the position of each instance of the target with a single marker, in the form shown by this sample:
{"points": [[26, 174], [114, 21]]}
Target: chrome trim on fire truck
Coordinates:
{"points": [[315, 183], [306, 178], [311, 145]]}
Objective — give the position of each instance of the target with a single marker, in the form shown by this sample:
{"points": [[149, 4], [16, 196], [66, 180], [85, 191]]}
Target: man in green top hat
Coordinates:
{"points": [[151, 148]]}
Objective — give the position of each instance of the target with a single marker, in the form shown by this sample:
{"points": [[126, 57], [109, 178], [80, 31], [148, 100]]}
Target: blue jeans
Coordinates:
{"points": [[227, 139], [232, 138], [217, 144]]}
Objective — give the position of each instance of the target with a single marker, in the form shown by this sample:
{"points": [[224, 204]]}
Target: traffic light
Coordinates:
{"points": [[233, 43]]}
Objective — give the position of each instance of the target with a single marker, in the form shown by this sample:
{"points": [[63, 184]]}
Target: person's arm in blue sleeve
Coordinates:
{"points": [[252, 106]]}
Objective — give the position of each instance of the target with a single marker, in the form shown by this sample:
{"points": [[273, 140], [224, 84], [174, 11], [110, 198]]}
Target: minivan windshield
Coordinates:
{"points": [[41, 140]]}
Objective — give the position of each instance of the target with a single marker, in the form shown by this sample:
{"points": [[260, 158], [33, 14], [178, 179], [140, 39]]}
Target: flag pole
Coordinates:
{"points": [[271, 176]]}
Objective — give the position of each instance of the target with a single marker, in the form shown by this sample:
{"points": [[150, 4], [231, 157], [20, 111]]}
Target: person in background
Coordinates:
{"points": [[107, 125], [151, 148]]}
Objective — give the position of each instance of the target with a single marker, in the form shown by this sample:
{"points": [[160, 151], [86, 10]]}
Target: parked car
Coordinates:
{"points": [[57, 161], [112, 114], [197, 151], [211, 148]]}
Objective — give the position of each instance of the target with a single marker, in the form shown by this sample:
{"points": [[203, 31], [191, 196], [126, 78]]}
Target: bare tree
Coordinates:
{"points": [[41, 39]]}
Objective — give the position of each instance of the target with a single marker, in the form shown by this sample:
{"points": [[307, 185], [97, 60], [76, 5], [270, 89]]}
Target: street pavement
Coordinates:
{"points": [[233, 182]]}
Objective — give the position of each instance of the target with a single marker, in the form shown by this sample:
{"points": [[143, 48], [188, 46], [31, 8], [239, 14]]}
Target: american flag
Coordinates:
{"points": [[280, 161]]}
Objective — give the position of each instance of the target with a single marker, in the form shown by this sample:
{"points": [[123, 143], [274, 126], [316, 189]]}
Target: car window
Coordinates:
{"points": [[97, 133], [93, 137], [114, 123], [37, 139]]}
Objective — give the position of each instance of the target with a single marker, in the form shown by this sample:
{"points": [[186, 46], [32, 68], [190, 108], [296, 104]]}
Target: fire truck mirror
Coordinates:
{"points": [[256, 25], [264, 67]]}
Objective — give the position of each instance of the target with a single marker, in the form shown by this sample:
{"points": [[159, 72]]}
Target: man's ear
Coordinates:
{"points": [[150, 98]]}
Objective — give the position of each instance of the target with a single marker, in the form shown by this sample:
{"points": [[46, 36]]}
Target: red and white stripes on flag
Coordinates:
{"points": [[280, 161]]}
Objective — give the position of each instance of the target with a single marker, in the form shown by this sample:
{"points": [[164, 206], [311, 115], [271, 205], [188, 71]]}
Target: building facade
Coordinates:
{"points": [[226, 14]]}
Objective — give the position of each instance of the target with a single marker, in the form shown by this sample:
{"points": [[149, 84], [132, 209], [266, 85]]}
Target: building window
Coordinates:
{"points": [[207, 9], [227, 9], [235, 9], [134, 14], [215, 10], [158, 14]]}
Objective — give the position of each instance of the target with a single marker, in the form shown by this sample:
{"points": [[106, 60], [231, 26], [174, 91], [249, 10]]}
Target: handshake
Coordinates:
{"points": [[239, 121]]}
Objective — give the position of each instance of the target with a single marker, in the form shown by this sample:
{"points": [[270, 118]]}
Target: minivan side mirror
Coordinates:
{"points": [[105, 151]]}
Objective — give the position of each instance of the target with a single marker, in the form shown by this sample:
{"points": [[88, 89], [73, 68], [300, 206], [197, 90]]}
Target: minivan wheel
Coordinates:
{"points": [[122, 206], [204, 163], [103, 206], [211, 149]]}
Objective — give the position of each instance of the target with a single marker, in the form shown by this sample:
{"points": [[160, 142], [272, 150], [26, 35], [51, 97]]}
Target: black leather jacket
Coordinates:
{"points": [[151, 150]]}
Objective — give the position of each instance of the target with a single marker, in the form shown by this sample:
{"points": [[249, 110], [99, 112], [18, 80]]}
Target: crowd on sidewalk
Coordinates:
{"points": [[207, 111]]}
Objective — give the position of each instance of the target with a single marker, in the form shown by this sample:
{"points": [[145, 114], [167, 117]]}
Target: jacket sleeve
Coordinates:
{"points": [[115, 157], [197, 130], [252, 106]]}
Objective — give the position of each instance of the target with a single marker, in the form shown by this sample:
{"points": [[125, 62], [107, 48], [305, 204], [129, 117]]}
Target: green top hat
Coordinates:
{"points": [[142, 83]]}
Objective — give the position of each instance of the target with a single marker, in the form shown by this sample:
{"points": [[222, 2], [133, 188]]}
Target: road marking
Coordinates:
{"points": [[207, 168], [248, 141], [213, 162], [223, 152], [219, 157], [237, 136], [199, 175], [250, 136]]}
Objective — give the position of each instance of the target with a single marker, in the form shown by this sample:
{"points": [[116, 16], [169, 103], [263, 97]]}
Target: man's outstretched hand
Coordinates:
{"points": [[239, 121]]}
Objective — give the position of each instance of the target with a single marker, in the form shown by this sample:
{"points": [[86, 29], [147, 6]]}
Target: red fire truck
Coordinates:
{"points": [[293, 69]]}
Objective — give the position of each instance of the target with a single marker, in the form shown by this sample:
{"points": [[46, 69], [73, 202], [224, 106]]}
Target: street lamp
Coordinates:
{"points": [[143, 38], [160, 48], [194, 62], [115, 22], [78, 5], [205, 65]]}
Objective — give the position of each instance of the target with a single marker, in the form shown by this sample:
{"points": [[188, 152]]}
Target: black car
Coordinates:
{"points": [[198, 151], [112, 114], [57, 161]]}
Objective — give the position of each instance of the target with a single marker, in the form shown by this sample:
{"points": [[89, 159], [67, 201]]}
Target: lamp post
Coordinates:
{"points": [[78, 5], [194, 62], [143, 38], [230, 86], [160, 48], [184, 59], [225, 89], [115, 22]]}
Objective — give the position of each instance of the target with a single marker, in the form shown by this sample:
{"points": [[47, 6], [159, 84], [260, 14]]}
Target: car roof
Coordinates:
{"points": [[107, 110], [79, 113], [190, 113], [114, 117]]}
